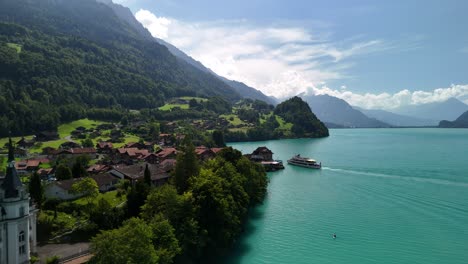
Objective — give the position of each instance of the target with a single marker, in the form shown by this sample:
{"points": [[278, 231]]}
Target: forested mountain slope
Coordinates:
{"points": [[60, 60]]}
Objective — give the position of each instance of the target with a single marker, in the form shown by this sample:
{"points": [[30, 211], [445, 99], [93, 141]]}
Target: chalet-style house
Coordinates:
{"points": [[97, 169], [136, 173], [166, 153], [261, 154], [204, 153], [146, 145], [46, 174], [69, 145], [104, 147], [74, 152], [105, 181], [25, 143], [166, 139], [130, 155], [168, 165], [29, 166], [62, 189], [47, 136], [151, 158], [49, 151]]}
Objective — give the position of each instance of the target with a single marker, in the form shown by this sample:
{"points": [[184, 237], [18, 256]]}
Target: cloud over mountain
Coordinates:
{"points": [[286, 60]]}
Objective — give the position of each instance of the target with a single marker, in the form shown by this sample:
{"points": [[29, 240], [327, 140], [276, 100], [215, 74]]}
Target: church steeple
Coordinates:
{"points": [[11, 151], [12, 183]]}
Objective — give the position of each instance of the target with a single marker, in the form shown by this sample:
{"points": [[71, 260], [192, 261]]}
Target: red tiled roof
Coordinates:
{"points": [[83, 150], [133, 152], [45, 171], [28, 164], [216, 150], [105, 145], [166, 152], [97, 168]]}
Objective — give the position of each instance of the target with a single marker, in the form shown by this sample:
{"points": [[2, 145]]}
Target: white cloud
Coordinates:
{"points": [[278, 60], [158, 26], [401, 98], [286, 60]]}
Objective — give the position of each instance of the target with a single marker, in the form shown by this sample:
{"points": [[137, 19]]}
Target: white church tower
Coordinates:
{"points": [[17, 217]]}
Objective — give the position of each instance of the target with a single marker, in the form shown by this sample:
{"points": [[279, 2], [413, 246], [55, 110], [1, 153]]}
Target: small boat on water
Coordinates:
{"points": [[297, 160]]}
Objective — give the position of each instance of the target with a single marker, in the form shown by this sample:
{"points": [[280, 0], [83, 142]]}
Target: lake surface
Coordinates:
{"points": [[390, 195]]}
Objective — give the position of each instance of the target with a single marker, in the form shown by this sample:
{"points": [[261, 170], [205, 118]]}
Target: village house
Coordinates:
{"points": [[48, 151], [61, 190], [46, 174], [136, 172], [21, 152], [104, 147], [216, 150], [25, 143], [74, 152], [167, 153], [261, 154], [168, 165], [98, 168], [145, 145], [204, 153], [130, 155], [28, 166], [166, 139], [47, 136], [105, 181], [69, 145], [151, 158]]}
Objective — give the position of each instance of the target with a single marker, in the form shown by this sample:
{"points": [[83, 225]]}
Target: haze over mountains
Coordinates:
{"points": [[397, 119], [447, 110], [335, 111]]}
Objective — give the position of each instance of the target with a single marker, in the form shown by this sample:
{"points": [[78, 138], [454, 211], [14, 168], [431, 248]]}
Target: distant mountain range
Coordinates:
{"points": [[447, 110], [460, 122], [396, 119], [335, 112]]}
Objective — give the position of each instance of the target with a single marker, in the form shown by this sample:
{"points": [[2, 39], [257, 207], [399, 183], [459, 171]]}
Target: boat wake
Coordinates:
{"points": [[399, 177]]}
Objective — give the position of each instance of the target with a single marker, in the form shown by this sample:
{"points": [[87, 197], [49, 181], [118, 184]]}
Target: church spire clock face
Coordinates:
{"points": [[17, 217]]}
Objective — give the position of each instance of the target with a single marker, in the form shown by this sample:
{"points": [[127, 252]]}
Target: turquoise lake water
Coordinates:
{"points": [[390, 195]]}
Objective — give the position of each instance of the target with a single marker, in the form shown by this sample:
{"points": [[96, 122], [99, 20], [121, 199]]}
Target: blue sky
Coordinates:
{"points": [[375, 54]]}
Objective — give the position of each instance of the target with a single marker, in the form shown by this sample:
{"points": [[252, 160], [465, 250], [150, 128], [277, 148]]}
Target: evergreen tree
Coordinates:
{"points": [[218, 138], [186, 166], [36, 190], [136, 198], [147, 176]]}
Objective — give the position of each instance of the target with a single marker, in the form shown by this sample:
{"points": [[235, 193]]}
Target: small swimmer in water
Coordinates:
{"points": [[334, 235]]}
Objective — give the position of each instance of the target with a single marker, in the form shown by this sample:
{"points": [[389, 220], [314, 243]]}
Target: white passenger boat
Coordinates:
{"points": [[297, 160]]}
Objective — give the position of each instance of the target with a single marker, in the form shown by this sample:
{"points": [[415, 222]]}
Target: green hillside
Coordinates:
{"points": [[65, 60]]}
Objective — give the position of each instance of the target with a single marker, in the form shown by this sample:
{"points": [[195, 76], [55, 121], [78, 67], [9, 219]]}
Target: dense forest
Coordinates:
{"points": [[63, 60], [305, 123]]}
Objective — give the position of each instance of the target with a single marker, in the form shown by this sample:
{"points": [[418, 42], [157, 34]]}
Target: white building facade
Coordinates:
{"points": [[17, 218]]}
